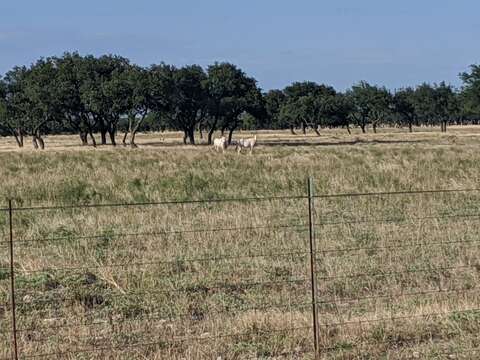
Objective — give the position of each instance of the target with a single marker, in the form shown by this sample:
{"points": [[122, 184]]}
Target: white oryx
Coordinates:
{"points": [[246, 143], [220, 143], [238, 144]]}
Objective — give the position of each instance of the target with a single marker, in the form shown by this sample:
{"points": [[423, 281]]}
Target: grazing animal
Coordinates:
{"points": [[247, 144], [220, 143], [238, 144]]}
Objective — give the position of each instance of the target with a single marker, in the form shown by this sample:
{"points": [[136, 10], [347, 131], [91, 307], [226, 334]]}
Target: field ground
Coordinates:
{"points": [[152, 282]]}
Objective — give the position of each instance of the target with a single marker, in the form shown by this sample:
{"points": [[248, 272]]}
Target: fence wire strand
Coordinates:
{"points": [[183, 316], [191, 289], [158, 233], [166, 262], [396, 318], [148, 319], [162, 342], [410, 245], [394, 273], [334, 301]]}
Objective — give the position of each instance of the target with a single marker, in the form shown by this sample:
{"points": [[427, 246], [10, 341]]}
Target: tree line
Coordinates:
{"points": [[88, 95]]}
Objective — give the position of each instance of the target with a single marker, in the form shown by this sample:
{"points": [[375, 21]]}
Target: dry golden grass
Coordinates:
{"points": [[151, 282]]}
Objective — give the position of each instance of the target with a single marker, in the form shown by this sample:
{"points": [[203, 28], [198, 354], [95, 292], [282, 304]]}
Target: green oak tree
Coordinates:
{"points": [[224, 82], [187, 100], [42, 103], [404, 107], [471, 90], [371, 105], [274, 100]]}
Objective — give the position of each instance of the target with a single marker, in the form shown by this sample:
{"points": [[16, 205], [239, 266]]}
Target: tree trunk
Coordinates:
{"points": [[348, 129], [124, 139], [304, 128], [374, 128], [134, 130], [40, 142], [185, 137], [230, 134], [200, 130], [112, 137], [132, 137], [444, 126], [191, 135], [34, 142], [292, 131], [210, 136], [131, 119], [20, 137], [103, 137], [410, 127], [83, 138], [90, 133], [316, 130], [17, 139], [211, 131], [94, 142], [132, 140], [103, 131], [362, 126]]}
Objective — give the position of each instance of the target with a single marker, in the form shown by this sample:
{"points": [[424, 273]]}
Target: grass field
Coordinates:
{"points": [[115, 278]]}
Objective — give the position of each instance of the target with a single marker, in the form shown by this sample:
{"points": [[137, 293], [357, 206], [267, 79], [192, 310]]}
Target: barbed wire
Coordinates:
{"points": [[396, 247], [287, 253], [297, 227], [339, 301], [392, 342], [196, 288], [165, 262], [122, 293], [241, 199], [397, 220], [395, 318], [326, 212], [163, 341], [300, 226], [348, 352], [157, 233], [150, 318], [246, 228], [388, 193], [265, 306], [158, 203], [378, 274], [226, 284]]}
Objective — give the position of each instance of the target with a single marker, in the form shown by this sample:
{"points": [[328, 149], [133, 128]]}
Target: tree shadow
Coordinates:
{"points": [[338, 143], [265, 143]]}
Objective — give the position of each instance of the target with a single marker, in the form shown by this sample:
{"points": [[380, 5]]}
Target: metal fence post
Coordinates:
{"points": [[313, 266], [12, 283]]}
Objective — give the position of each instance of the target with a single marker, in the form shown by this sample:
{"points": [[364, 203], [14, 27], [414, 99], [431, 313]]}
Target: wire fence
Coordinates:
{"points": [[308, 276]]}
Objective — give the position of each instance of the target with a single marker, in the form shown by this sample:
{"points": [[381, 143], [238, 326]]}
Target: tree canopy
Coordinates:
{"points": [[102, 95]]}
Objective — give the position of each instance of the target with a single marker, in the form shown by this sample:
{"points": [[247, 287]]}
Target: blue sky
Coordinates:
{"points": [[386, 42]]}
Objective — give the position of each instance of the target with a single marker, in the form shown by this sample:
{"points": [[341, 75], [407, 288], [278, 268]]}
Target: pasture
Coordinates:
{"points": [[397, 276]]}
